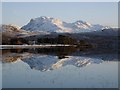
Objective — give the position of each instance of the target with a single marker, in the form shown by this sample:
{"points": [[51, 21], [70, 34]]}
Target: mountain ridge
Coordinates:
{"points": [[50, 24]]}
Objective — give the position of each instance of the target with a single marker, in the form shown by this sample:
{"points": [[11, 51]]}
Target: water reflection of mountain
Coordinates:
{"points": [[52, 58]]}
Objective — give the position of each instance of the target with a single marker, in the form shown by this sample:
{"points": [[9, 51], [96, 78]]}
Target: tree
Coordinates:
{"points": [[18, 41], [62, 39]]}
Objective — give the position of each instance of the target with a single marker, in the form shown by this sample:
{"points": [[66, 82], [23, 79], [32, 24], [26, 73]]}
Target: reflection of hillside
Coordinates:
{"points": [[44, 59], [12, 59], [9, 58], [59, 51], [46, 63], [12, 55], [62, 52]]}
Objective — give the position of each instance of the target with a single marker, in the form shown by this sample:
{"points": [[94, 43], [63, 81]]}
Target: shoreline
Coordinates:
{"points": [[34, 46]]}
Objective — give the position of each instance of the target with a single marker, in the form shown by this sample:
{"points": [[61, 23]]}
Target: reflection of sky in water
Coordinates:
{"points": [[73, 71]]}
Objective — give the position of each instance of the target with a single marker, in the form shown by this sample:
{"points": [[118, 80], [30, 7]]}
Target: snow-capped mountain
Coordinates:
{"points": [[46, 24], [49, 24]]}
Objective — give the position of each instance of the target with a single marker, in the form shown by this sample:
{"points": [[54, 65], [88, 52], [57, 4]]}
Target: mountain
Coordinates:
{"points": [[45, 24], [7, 32], [49, 24], [12, 30]]}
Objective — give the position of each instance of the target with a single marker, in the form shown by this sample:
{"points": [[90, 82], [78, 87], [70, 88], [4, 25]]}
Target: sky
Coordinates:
{"points": [[20, 13], [0, 12]]}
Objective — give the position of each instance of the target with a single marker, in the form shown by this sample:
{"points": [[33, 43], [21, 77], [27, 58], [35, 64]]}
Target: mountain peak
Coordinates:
{"points": [[83, 22], [80, 21], [43, 18], [46, 17]]}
